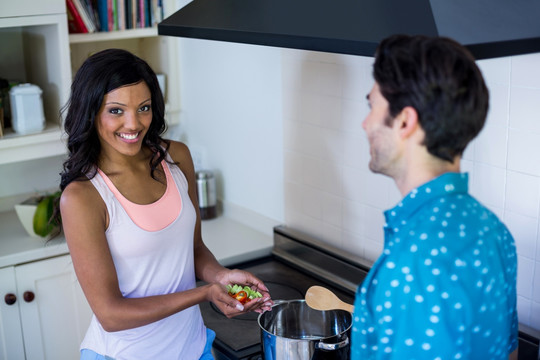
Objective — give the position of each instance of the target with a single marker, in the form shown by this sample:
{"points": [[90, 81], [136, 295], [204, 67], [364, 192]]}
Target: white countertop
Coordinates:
{"points": [[230, 241]]}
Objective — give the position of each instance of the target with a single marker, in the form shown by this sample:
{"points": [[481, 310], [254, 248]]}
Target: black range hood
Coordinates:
{"points": [[489, 28]]}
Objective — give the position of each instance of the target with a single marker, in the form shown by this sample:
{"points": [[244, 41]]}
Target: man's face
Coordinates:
{"points": [[382, 137]]}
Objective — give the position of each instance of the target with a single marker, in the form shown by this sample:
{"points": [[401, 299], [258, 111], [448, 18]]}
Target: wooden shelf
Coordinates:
{"points": [[112, 35], [15, 148]]}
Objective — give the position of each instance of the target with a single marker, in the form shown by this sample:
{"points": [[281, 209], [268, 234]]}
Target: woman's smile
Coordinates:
{"points": [[129, 137]]}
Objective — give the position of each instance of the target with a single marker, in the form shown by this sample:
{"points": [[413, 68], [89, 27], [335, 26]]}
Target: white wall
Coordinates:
{"points": [[284, 128], [231, 120], [330, 192]]}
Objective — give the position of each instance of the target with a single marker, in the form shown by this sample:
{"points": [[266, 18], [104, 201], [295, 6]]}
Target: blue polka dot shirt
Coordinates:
{"points": [[444, 286]]}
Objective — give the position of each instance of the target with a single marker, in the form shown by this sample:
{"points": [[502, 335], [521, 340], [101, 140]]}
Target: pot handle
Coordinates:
{"points": [[330, 347]]}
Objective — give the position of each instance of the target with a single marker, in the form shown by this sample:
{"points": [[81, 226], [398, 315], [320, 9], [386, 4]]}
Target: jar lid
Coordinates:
{"points": [[204, 174], [25, 89]]}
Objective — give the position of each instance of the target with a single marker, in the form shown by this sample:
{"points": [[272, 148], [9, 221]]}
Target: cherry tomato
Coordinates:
{"points": [[241, 296]]}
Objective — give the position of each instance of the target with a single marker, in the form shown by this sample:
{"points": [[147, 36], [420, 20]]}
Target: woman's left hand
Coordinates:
{"points": [[245, 278]]}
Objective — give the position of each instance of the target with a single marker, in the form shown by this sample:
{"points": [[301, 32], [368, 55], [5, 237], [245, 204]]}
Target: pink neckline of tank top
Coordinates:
{"points": [[163, 211]]}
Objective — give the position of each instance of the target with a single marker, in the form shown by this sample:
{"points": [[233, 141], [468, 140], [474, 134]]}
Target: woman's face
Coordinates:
{"points": [[124, 118]]}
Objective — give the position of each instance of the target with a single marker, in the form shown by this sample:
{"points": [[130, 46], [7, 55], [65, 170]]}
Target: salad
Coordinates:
{"points": [[242, 294]]}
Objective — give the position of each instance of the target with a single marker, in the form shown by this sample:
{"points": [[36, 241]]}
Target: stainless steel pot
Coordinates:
{"points": [[294, 331]]}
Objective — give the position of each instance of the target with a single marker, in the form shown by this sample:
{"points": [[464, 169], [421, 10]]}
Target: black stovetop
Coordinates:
{"points": [[239, 337], [291, 269], [294, 266]]}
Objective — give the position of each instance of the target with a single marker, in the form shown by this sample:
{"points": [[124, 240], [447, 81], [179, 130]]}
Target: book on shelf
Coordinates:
{"points": [[142, 13], [121, 14], [129, 17], [133, 11], [83, 12], [129, 14], [75, 23], [157, 11], [105, 15], [115, 14], [111, 15], [91, 8]]}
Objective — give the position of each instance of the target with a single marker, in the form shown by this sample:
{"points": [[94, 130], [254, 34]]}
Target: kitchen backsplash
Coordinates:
{"points": [[284, 133], [330, 193]]}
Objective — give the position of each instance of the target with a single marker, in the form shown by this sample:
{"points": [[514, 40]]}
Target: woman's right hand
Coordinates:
{"points": [[229, 306]]}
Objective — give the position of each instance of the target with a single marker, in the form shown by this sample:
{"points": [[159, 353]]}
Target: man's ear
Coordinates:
{"points": [[408, 121]]}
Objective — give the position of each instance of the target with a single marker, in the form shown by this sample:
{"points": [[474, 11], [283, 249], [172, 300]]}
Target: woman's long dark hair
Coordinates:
{"points": [[101, 73]]}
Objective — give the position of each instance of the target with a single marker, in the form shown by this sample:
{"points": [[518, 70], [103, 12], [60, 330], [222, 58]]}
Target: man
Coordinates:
{"points": [[445, 285]]}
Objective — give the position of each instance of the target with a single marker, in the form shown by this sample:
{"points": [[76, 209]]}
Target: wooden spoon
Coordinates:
{"points": [[320, 298]]}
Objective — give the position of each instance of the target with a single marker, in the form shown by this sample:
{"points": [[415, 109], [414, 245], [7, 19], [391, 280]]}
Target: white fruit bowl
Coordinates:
{"points": [[25, 211]]}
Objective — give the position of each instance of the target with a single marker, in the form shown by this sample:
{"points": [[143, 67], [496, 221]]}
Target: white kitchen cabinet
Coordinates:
{"points": [[37, 48], [50, 316], [11, 341]]}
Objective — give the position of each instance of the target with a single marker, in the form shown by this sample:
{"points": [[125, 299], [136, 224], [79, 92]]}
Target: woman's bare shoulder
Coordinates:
{"points": [[82, 209], [179, 151], [181, 156], [81, 196]]}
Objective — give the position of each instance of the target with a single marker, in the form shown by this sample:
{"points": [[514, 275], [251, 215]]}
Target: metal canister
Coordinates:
{"points": [[206, 191]]}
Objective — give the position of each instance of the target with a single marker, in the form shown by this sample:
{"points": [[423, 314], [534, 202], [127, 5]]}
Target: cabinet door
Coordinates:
{"points": [[11, 343], [54, 320]]}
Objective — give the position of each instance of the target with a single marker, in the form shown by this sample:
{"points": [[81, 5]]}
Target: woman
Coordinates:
{"points": [[130, 222]]}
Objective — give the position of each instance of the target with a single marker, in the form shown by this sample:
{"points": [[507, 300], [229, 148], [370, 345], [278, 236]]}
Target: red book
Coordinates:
{"points": [[75, 22], [110, 15]]}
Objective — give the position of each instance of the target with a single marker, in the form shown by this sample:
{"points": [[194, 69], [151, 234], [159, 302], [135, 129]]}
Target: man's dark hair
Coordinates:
{"points": [[439, 78]]}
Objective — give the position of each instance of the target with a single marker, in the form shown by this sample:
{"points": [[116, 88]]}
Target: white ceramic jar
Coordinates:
{"points": [[27, 114]]}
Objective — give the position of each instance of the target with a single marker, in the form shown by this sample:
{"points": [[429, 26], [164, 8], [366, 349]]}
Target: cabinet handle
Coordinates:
{"points": [[28, 296], [10, 299]]}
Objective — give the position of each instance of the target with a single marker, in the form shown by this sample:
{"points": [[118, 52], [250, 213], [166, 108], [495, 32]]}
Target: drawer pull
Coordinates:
{"points": [[28, 296], [10, 299]]}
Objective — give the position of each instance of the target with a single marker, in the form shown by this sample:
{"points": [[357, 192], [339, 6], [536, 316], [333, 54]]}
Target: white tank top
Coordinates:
{"points": [[151, 263]]}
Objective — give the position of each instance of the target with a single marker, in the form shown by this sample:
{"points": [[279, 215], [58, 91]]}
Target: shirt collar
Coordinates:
{"points": [[445, 184]]}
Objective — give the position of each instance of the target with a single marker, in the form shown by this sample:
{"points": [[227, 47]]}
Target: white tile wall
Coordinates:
{"points": [[330, 193], [310, 127], [232, 113]]}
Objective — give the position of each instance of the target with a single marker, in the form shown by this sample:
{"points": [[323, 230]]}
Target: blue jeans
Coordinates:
{"points": [[206, 355]]}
